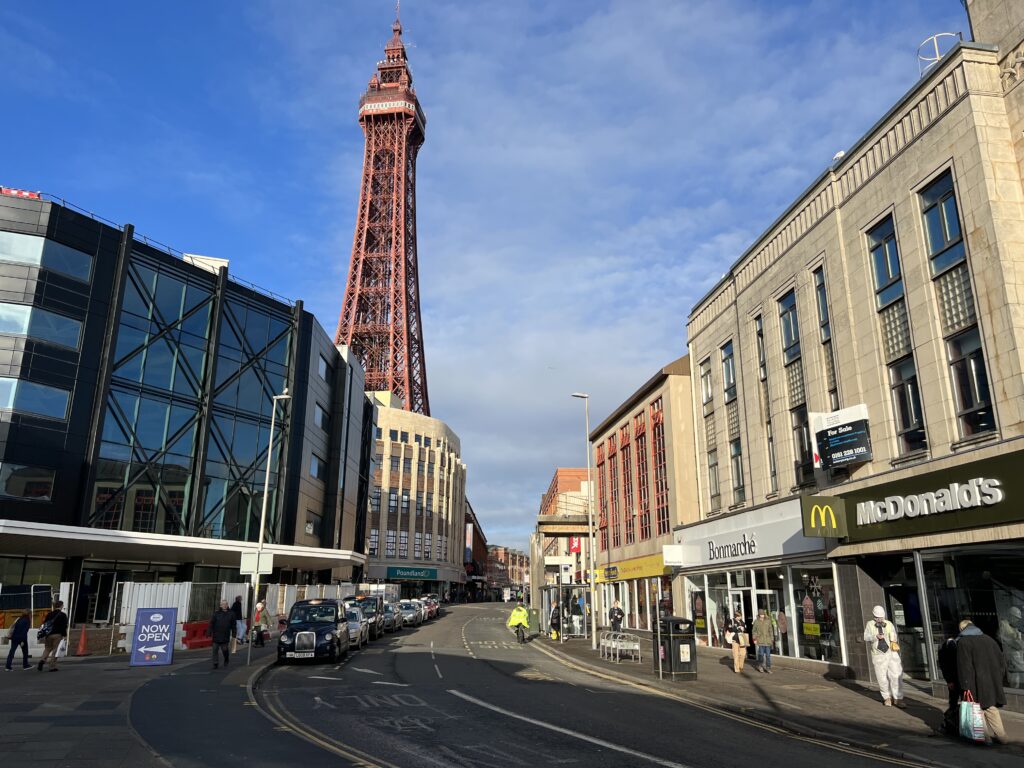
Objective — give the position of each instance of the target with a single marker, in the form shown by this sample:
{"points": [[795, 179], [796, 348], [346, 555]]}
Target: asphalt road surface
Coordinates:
{"points": [[460, 692]]}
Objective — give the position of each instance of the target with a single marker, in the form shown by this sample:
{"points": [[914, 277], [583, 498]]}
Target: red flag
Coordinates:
{"points": [[575, 544]]}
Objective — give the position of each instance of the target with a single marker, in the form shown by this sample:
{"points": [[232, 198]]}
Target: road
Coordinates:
{"points": [[460, 692]]}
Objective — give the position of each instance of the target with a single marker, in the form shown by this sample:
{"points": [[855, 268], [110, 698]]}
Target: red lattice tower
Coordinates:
{"points": [[380, 316]]}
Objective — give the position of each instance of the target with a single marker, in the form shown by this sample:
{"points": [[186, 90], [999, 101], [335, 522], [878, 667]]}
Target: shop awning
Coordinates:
{"points": [[43, 540]]}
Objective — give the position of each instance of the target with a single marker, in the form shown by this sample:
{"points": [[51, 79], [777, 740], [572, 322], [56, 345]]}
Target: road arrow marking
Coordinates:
{"points": [[367, 671], [318, 702]]}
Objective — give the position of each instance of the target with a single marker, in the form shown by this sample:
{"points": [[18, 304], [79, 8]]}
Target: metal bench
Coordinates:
{"points": [[614, 645]]}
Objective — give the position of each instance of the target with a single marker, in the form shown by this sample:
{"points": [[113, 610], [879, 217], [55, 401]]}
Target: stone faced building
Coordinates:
{"points": [[891, 292]]}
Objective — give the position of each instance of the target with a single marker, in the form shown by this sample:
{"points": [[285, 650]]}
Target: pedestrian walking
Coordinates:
{"points": [[262, 622], [736, 634], [884, 649], [239, 613], [53, 631], [981, 668], [18, 637], [555, 620], [764, 639], [616, 615], [948, 667], [222, 630]]}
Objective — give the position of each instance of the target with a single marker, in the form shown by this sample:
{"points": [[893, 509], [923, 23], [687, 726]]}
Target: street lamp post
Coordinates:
{"points": [[590, 521], [263, 519]]}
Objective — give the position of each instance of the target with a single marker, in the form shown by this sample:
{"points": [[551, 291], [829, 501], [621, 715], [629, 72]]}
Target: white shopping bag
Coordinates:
{"points": [[62, 649]]}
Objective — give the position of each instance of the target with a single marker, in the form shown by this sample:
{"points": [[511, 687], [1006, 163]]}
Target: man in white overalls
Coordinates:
{"points": [[883, 647]]}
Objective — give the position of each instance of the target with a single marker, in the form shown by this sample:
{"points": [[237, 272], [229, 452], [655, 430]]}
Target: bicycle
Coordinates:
{"points": [[520, 634]]}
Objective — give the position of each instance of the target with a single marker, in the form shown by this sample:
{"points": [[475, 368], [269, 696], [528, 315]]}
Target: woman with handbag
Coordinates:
{"points": [[262, 624], [736, 635]]}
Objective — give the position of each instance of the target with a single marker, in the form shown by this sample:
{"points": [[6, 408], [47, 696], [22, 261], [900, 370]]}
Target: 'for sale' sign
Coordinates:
{"points": [[153, 639]]}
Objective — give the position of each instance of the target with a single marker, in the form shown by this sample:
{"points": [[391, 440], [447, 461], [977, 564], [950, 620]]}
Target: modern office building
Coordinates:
{"points": [[645, 487], [860, 367], [417, 524], [137, 392]]}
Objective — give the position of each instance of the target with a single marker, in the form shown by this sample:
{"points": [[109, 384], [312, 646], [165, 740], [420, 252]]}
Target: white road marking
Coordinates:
{"points": [[318, 702], [438, 672], [567, 732], [432, 649], [321, 677], [367, 671], [385, 682]]}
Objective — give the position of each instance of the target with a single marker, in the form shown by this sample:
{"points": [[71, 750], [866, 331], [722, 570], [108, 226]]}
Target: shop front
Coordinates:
{"points": [[936, 548], [415, 581], [637, 584], [760, 559]]}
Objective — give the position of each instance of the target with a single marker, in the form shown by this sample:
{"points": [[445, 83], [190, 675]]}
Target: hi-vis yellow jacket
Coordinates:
{"points": [[519, 616]]}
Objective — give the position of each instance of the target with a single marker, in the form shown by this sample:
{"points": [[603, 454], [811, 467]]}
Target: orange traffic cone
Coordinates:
{"points": [[83, 646]]}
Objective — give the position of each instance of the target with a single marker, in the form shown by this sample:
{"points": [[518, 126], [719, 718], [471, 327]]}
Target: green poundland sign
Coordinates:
{"points": [[413, 574]]}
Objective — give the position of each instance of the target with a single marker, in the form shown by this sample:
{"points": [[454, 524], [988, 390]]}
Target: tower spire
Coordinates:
{"points": [[380, 314]]}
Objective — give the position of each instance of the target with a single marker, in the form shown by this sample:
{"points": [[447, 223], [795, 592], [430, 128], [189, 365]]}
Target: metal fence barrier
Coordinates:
{"points": [[614, 645]]}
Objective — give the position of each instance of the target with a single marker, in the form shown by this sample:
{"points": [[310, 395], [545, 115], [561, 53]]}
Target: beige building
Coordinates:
{"points": [[416, 529], [646, 486], [868, 347]]}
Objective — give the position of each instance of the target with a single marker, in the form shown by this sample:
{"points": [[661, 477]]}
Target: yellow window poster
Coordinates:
{"points": [[812, 629]]}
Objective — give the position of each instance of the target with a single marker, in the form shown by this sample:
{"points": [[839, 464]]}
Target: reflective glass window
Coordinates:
{"points": [[36, 323], [18, 481], [40, 252], [316, 467], [320, 417], [29, 397], [790, 327], [885, 260], [323, 368], [942, 223]]}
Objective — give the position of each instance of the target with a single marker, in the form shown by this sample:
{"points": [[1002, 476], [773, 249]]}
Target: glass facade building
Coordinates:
{"points": [[137, 391]]}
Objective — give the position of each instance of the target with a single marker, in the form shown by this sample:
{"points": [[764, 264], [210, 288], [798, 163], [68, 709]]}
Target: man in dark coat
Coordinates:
{"points": [[18, 635], [56, 622], [239, 613], [947, 665], [222, 630], [981, 669]]}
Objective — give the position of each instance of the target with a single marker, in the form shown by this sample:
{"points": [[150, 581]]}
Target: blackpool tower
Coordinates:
{"points": [[380, 315]]}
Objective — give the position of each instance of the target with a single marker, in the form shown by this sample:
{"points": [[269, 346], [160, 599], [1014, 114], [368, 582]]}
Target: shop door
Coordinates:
{"points": [[904, 610]]}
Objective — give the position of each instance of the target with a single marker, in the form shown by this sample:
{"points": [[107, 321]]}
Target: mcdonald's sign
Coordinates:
{"points": [[823, 516]]}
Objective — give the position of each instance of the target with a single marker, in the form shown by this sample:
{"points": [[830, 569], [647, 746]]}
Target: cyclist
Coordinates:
{"points": [[519, 620]]}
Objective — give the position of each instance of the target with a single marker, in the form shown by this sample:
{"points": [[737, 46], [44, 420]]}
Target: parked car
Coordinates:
{"points": [[372, 607], [315, 629], [423, 608], [433, 606], [411, 614], [358, 627], [392, 618]]}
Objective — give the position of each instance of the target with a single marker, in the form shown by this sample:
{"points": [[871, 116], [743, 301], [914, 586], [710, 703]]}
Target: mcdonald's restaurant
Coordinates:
{"points": [[760, 558], [932, 548]]}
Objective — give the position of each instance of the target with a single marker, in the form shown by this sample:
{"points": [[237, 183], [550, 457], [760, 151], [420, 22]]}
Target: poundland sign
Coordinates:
{"points": [[979, 492]]}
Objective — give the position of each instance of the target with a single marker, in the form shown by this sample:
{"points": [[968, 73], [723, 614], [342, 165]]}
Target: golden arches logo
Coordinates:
{"points": [[819, 511]]}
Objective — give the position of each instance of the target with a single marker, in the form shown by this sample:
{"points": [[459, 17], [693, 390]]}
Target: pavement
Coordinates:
{"points": [[806, 702]]}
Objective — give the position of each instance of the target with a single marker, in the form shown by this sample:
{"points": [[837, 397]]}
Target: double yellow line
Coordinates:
{"points": [[280, 716]]}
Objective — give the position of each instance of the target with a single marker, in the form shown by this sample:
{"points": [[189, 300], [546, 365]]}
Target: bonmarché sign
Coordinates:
{"points": [[987, 492], [745, 547]]}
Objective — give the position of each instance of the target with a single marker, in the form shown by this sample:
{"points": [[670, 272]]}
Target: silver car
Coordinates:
{"points": [[410, 613], [358, 627]]}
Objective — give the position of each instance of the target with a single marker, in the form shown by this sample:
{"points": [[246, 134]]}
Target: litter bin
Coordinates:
{"points": [[677, 650]]}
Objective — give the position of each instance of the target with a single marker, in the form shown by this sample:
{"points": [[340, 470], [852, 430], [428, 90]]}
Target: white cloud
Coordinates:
{"points": [[590, 170]]}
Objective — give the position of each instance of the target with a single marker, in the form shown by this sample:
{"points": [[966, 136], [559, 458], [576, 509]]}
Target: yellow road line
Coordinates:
{"points": [[733, 716], [280, 716]]}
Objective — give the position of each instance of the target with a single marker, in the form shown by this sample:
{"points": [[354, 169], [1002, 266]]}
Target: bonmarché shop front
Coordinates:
{"points": [[759, 558], [934, 549]]}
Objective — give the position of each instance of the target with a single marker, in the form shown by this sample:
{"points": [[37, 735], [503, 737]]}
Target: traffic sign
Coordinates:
{"points": [[153, 636], [255, 563]]}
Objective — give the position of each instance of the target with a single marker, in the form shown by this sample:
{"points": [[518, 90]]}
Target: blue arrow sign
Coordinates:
{"points": [[153, 636]]}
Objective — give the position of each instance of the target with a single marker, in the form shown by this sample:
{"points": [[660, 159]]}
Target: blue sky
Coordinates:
{"points": [[590, 168]]}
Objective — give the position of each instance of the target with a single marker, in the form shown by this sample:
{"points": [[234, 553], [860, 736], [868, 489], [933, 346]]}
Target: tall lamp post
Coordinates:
{"points": [[263, 519], [590, 521]]}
